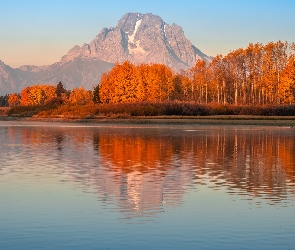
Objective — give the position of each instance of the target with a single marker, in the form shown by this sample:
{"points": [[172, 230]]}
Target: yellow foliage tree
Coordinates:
{"points": [[287, 83], [80, 96], [37, 94]]}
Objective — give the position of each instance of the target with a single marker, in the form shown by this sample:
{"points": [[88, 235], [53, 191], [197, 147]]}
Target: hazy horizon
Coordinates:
{"points": [[40, 33]]}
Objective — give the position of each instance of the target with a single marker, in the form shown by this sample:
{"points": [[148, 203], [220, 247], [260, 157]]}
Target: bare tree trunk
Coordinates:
{"points": [[236, 93], [224, 94]]}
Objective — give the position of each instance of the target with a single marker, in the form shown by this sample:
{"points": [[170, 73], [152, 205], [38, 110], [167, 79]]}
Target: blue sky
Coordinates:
{"points": [[40, 32]]}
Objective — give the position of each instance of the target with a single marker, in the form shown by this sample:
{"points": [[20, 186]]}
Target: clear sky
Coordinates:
{"points": [[40, 32]]}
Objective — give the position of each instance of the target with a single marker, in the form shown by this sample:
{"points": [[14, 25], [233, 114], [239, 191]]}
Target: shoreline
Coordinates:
{"points": [[201, 120]]}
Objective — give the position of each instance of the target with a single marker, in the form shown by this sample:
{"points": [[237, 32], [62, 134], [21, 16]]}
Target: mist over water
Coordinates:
{"points": [[124, 186]]}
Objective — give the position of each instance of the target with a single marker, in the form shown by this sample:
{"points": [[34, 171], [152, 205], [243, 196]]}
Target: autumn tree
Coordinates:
{"points": [[127, 82], [37, 94], [200, 82], [13, 100], [106, 88], [80, 96], [25, 96], [287, 85], [160, 85]]}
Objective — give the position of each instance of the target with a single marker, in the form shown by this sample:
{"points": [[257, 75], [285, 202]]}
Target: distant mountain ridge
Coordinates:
{"points": [[138, 38]]}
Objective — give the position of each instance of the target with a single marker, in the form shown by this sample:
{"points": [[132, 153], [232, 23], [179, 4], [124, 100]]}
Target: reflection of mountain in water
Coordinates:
{"points": [[145, 170]]}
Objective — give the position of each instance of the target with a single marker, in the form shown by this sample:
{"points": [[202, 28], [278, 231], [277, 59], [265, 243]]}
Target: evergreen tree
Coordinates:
{"points": [[60, 89], [4, 101], [95, 97]]}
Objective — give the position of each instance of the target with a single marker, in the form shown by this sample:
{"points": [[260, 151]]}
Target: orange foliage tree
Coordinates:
{"points": [[127, 82], [287, 84], [13, 100], [80, 96], [257, 75], [37, 95]]}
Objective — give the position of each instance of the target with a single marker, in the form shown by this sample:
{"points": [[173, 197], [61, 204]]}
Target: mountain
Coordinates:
{"points": [[9, 80], [75, 73], [141, 38], [138, 38]]}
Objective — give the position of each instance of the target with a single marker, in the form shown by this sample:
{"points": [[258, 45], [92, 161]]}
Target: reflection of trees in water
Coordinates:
{"points": [[145, 170], [59, 138], [257, 161], [138, 170]]}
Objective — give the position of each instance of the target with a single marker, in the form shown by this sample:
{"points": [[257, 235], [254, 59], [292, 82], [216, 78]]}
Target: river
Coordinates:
{"points": [[131, 186]]}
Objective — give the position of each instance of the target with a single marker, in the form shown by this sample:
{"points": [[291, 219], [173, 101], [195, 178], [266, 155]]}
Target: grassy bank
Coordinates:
{"points": [[4, 111], [128, 110], [165, 113]]}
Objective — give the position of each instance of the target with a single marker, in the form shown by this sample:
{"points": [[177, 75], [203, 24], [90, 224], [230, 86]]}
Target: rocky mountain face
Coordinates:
{"points": [[9, 80], [139, 38]]}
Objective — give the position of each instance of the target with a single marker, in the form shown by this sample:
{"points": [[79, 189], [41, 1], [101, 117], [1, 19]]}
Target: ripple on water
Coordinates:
{"points": [[179, 187]]}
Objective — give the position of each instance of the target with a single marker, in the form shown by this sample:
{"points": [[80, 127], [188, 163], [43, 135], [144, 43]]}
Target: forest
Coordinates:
{"points": [[257, 80], [257, 75]]}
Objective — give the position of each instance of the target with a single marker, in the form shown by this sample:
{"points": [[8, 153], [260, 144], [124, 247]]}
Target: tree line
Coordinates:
{"points": [[257, 75], [48, 94]]}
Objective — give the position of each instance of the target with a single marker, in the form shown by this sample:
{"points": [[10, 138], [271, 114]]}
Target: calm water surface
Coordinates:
{"points": [[103, 186]]}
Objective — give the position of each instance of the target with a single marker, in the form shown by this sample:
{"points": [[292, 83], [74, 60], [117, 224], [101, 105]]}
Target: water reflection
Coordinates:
{"points": [[144, 170]]}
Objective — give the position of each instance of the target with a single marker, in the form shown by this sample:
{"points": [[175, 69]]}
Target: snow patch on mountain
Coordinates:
{"points": [[137, 50], [131, 38], [134, 46]]}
